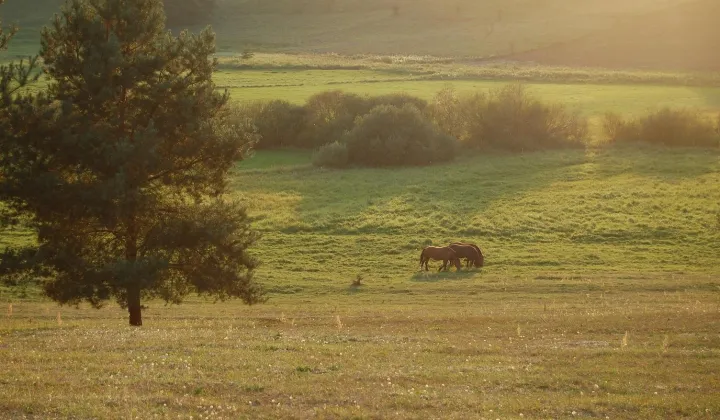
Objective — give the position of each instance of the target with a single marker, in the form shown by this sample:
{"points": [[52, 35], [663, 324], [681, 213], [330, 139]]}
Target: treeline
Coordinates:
{"points": [[400, 129]]}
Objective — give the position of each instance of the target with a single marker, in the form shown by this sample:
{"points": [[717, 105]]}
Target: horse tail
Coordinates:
{"points": [[422, 256]]}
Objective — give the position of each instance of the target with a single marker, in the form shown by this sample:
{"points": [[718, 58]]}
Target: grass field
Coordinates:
{"points": [[296, 85], [599, 299]]}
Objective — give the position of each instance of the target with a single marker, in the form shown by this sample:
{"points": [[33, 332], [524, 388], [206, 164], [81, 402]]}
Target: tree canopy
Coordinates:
{"points": [[121, 165], [13, 76]]}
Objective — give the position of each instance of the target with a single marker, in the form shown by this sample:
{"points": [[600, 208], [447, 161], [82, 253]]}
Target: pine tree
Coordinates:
{"points": [[5, 37], [121, 166], [13, 76]]}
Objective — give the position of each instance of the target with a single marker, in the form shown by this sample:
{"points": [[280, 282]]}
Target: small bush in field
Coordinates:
{"points": [[508, 118], [389, 136], [247, 54], [331, 155], [667, 127]]}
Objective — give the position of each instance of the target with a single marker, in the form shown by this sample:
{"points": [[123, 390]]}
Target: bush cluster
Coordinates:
{"points": [[666, 127], [399, 129], [507, 118], [329, 115], [321, 124], [277, 122], [390, 136]]}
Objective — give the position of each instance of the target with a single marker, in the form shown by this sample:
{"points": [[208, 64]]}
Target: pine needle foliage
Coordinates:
{"points": [[121, 166]]}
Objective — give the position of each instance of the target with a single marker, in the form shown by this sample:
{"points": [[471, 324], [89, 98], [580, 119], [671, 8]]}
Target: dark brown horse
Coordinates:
{"points": [[439, 253], [474, 256]]}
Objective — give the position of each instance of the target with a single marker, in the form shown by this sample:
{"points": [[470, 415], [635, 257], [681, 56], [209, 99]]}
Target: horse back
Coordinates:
{"points": [[444, 252], [465, 251], [480, 254]]}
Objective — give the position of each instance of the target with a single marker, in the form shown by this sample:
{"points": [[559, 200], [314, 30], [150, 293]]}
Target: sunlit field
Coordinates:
{"points": [[599, 297], [600, 294]]}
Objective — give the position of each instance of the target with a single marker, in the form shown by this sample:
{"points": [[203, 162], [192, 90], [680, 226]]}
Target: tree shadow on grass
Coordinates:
{"points": [[431, 277], [420, 199]]}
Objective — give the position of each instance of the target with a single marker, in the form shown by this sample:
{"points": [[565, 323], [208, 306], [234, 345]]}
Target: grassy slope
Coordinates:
{"points": [[599, 298], [683, 37], [567, 211], [422, 26], [458, 28]]}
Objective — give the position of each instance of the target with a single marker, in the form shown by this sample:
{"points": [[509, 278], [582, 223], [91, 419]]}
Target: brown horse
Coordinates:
{"points": [[475, 258], [443, 254]]}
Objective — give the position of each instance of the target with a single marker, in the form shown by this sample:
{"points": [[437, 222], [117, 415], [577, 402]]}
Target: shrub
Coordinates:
{"points": [[508, 118], [397, 100], [329, 115], [617, 129], [247, 54], [444, 112], [278, 122], [235, 119], [331, 155], [389, 136], [667, 127]]}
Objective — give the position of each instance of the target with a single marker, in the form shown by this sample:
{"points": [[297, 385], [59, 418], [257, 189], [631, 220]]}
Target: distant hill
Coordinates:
{"points": [[684, 37], [608, 33]]}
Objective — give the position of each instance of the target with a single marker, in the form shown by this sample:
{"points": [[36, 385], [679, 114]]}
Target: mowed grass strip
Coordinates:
{"points": [[592, 99], [647, 353]]}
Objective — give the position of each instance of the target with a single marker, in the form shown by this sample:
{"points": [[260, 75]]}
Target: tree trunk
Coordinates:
{"points": [[133, 291], [133, 302]]}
